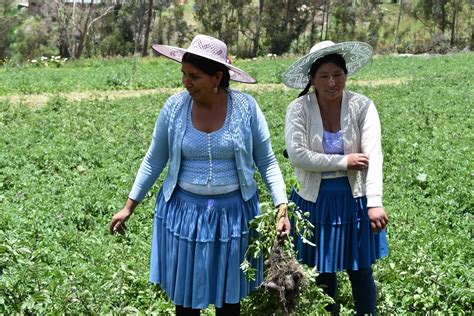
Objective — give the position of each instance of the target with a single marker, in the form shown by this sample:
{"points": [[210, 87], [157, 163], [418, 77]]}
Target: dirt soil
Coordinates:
{"points": [[39, 100]]}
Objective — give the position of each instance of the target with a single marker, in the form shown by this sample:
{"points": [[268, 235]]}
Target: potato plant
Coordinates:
{"points": [[66, 167]]}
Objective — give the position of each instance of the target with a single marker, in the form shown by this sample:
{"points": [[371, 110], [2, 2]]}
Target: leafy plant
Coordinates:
{"points": [[66, 167]]}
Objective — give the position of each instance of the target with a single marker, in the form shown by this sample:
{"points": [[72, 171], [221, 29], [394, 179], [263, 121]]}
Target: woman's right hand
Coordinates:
{"points": [[357, 161], [117, 225]]}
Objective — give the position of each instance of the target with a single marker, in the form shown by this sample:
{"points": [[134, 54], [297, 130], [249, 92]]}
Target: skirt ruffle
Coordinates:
{"points": [[198, 245], [342, 233]]}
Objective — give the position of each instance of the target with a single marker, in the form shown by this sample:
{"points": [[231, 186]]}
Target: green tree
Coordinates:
{"points": [[9, 19], [170, 27], [344, 21], [432, 13], [221, 18], [460, 10], [284, 21], [114, 36], [147, 28], [76, 21], [34, 38], [441, 16]]}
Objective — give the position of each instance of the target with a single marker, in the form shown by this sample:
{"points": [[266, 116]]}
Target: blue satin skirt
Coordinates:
{"points": [[198, 245], [342, 233]]}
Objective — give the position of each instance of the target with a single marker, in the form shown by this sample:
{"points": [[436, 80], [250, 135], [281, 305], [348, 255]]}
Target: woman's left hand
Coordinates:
{"points": [[283, 223], [378, 218]]}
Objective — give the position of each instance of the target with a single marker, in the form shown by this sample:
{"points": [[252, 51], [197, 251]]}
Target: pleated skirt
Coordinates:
{"points": [[342, 233], [198, 245]]}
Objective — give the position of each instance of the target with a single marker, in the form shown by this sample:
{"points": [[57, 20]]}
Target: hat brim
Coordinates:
{"points": [[176, 54], [356, 55]]}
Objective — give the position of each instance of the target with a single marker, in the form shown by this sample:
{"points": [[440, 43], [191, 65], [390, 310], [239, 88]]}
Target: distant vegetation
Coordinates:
{"points": [[251, 28]]}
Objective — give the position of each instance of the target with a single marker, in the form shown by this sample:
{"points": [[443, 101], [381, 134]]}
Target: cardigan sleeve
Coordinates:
{"points": [[155, 159], [297, 142], [265, 159], [371, 145]]}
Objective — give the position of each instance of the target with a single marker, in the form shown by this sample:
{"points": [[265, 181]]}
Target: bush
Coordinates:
{"points": [[114, 44], [33, 38]]}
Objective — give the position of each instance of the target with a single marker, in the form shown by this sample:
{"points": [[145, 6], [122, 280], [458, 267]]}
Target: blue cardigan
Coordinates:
{"points": [[252, 147]]}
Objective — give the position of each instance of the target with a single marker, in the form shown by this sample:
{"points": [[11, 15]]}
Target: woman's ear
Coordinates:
{"points": [[218, 78], [311, 80]]}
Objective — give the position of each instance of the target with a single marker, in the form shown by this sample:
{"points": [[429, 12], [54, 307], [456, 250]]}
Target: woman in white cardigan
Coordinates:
{"points": [[333, 140]]}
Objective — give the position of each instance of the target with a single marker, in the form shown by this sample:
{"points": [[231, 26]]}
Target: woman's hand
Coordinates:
{"points": [[378, 218], [118, 220], [117, 225], [357, 161], [283, 223]]}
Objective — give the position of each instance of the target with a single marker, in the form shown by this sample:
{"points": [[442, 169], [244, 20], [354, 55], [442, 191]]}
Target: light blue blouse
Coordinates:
{"points": [[250, 139], [333, 143], [208, 163]]}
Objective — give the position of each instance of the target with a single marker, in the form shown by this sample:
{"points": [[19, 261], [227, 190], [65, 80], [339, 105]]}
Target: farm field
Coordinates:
{"points": [[72, 139]]}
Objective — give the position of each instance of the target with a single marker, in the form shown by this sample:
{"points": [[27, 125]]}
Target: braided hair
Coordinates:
{"points": [[332, 58]]}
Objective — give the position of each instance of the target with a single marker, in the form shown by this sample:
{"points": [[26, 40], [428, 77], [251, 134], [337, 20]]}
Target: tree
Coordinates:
{"points": [[219, 18], [439, 16], [455, 7], [432, 14], [171, 28], [344, 18], [325, 24], [397, 28], [9, 19], [34, 38], [250, 26], [113, 35], [75, 22], [371, 15], [256, 39], [284, 21], [316, 18], [147, 28], [471, 21]]}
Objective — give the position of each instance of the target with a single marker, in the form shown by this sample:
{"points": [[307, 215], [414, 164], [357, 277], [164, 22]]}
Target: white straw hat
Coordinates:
{"points": [[207, 47], [356, 55]]}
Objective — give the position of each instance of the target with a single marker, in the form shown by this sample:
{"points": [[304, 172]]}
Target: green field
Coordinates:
{"points": [[67, 164]]}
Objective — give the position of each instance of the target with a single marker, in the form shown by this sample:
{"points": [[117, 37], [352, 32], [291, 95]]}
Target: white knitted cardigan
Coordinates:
{"points": [[304, 135]]}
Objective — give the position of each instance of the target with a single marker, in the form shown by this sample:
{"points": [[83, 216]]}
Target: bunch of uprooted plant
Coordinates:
{"points": [[285, 278]]}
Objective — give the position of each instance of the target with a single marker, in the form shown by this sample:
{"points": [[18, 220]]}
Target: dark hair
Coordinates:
{"points": [[332, 58], [209, 67]]}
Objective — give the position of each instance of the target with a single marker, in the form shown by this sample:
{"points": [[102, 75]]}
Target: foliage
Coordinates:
{"points": [[65, 168], [250, 28], [115, 45], [171, 28], [75, 22], [286, 281], [10, 17], [442, 19], [116, 34], [221, 17], [282, 26], [33, 38], [345, 19]]}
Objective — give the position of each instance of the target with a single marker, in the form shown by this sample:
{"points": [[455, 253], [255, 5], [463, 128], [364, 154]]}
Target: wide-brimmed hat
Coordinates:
{"points": [[356, 55], [207, 47]]}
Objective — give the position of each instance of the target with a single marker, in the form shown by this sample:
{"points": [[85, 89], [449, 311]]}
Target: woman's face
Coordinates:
{"points": [[329, 81], [199, 84]]}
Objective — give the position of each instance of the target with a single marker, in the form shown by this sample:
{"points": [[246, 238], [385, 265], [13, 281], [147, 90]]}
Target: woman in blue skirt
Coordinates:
{"points": [[333, 140], [211, 137]]}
